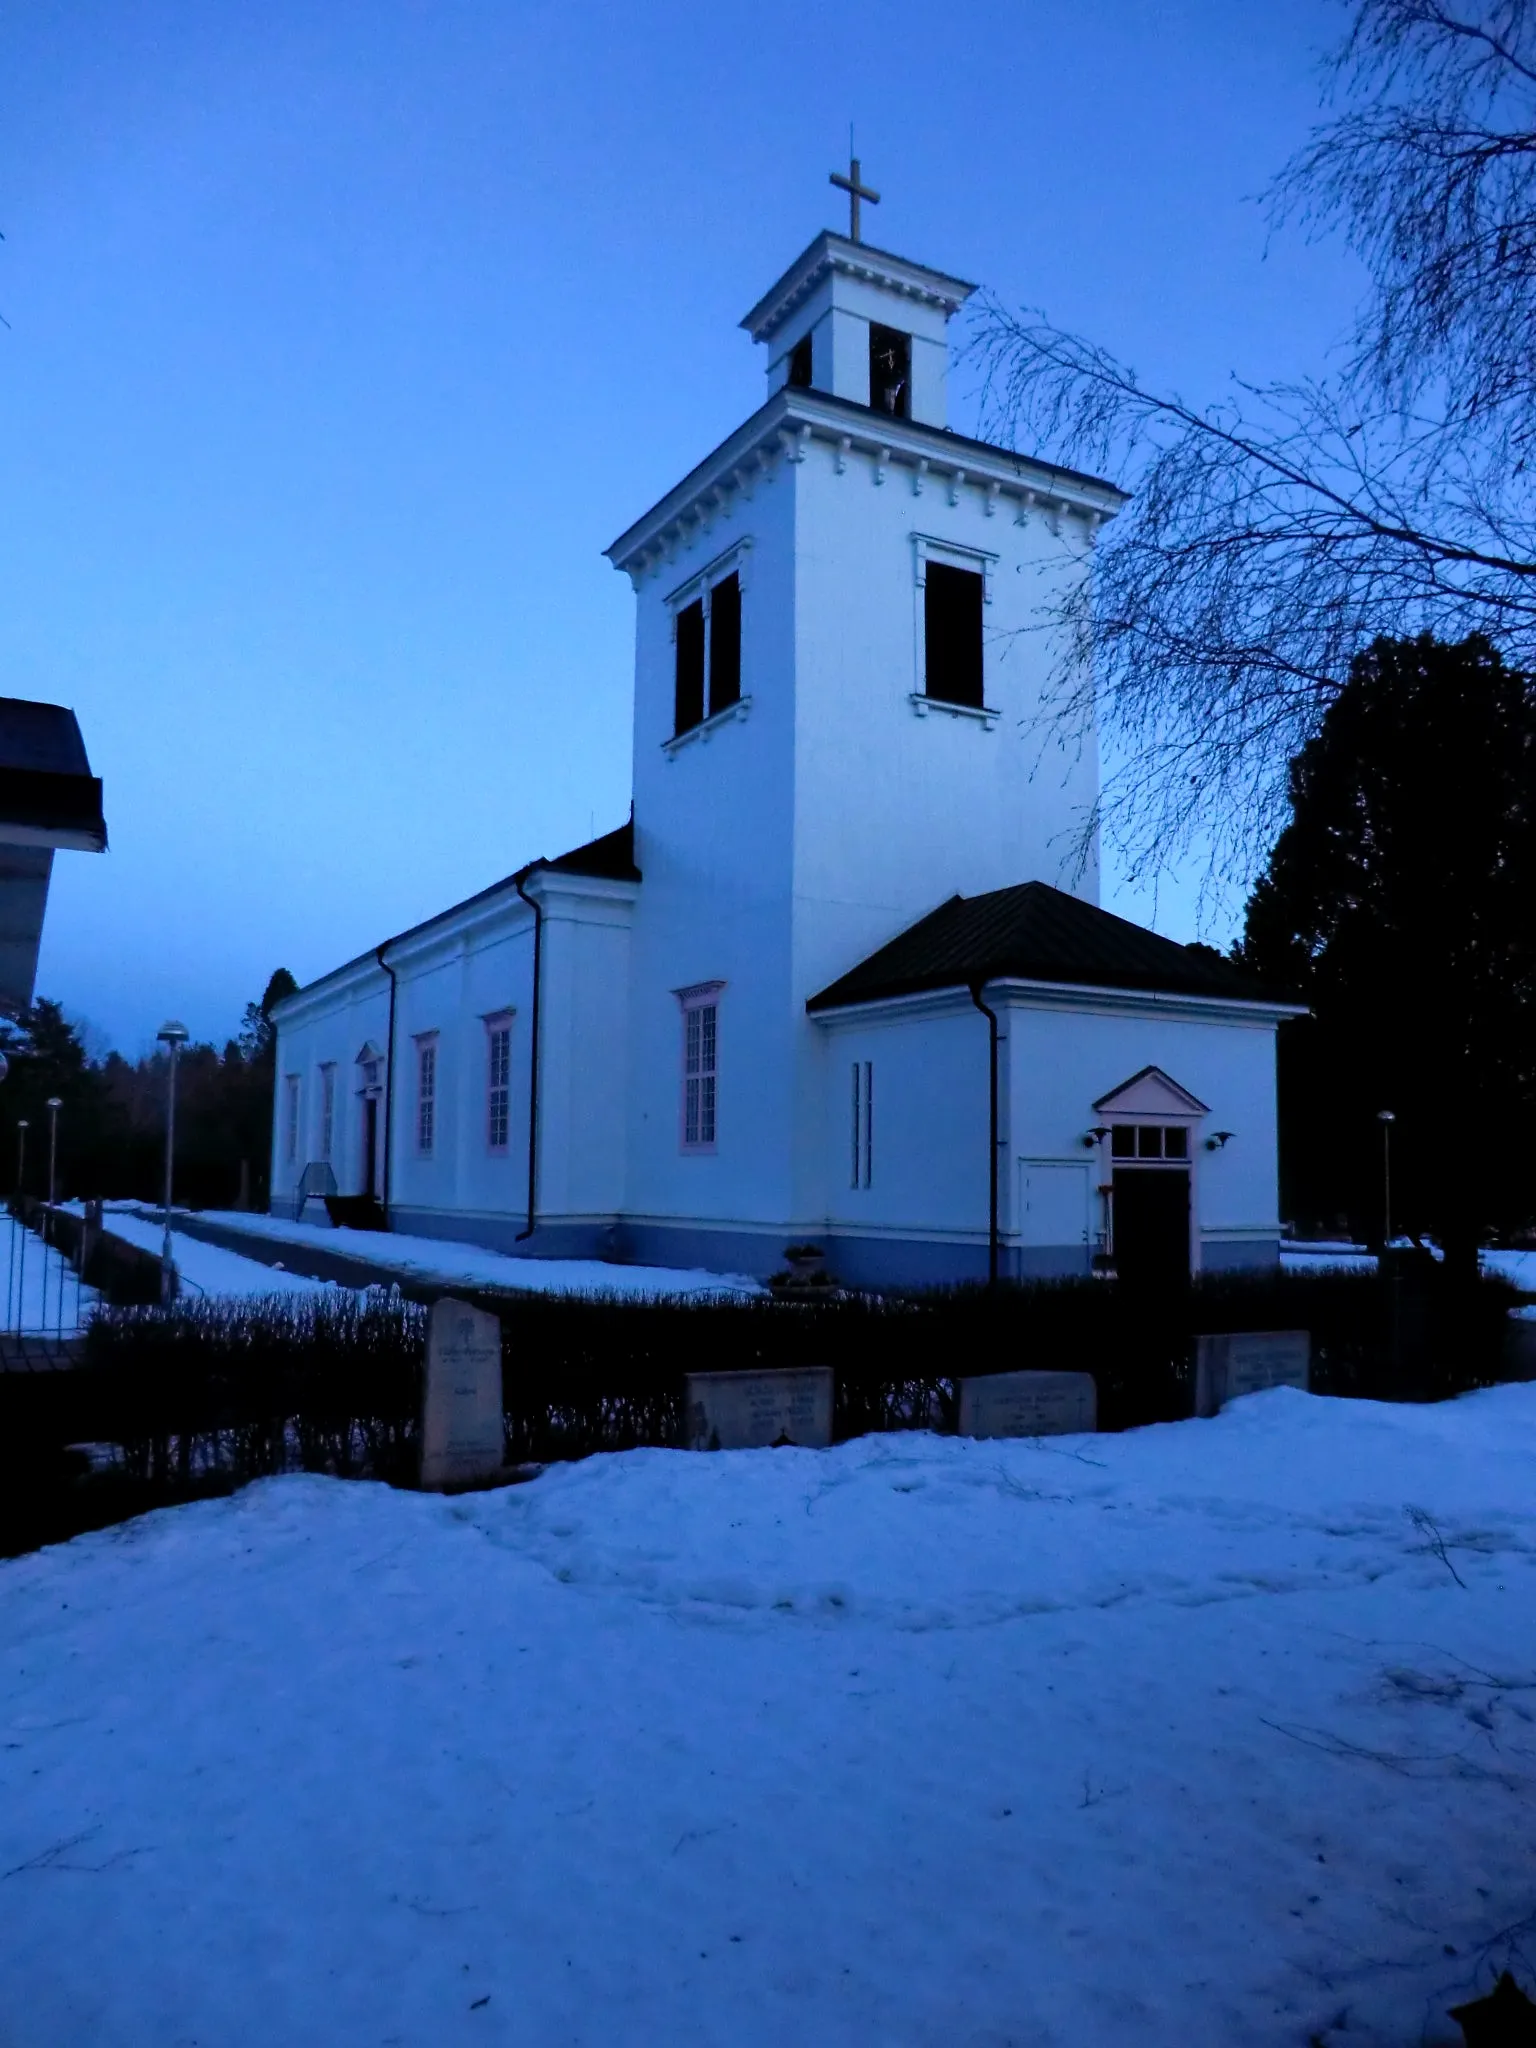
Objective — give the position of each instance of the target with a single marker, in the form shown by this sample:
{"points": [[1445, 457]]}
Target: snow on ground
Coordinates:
{"points": [[1304, 1255], [470, 1265], [1221, 1732], [42, 1292], [206, 1268]]}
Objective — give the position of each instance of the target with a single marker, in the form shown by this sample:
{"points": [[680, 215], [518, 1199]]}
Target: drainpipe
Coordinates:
{"points": [[533, 1058], [991, 1017], [389, 1076]]}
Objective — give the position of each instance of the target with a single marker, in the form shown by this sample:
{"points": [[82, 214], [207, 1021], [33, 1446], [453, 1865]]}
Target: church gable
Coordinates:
{"points": [[1150, 1093]]}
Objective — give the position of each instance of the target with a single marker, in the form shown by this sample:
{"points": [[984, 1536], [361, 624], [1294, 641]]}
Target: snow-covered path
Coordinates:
{"points": [[1185, 1736]]}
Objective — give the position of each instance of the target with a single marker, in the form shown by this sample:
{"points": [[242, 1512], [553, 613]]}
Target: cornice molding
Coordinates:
{"points": [[829, 253], [784, 430]]}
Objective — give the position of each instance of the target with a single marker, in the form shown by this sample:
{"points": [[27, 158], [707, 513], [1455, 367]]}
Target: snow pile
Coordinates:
{"points": [[470, 1265], [42, 1291], [1218, 1732]]}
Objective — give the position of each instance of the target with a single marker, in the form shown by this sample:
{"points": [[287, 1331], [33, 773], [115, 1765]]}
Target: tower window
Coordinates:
{"points": [[800, 364], [952, 613], [890, 371], [690, 665], [725, 643]]}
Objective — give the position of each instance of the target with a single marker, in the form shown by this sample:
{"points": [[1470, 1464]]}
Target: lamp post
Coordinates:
{"points": [[55, 1104], [1386, 1119], [21, 1152], [173, 1036]]}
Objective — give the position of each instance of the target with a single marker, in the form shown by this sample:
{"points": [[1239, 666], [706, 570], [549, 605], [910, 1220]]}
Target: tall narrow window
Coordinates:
{"points": [[863, 1123], [498, 1088], [725, 643], [700, 1044], [890, 371], [291, 1135], [426, 1094], [800, 363], [952, 634], [327, 1110], [690, 666]]}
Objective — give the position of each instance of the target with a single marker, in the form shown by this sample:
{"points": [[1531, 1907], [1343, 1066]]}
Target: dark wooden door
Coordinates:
{"points": [[370, 1143], [1151, 1223]]}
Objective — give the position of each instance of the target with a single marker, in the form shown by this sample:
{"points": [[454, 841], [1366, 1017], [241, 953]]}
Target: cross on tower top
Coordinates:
{"points": [[856, 191]]}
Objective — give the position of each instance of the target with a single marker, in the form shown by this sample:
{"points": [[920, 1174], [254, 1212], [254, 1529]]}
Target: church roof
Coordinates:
{"points": [[1034, 933]]}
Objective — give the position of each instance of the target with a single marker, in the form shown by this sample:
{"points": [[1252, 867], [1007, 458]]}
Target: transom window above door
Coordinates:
{"points": [[1150, 1141]]}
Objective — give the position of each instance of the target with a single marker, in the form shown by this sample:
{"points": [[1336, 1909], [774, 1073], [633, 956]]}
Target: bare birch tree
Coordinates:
{"points": [[1273, 535]]}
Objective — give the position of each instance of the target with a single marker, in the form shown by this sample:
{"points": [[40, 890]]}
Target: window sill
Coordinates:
{"points": [[708, 727], [923, 704]]}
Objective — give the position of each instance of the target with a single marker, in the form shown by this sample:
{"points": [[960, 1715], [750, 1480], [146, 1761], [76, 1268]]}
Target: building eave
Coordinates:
{"points": [[833, 252], [1059, 995], [784, 428]]}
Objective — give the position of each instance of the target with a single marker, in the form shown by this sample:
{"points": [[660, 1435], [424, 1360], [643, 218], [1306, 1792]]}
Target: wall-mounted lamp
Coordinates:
{"points": [[1095, 1137], [1217, 1142]]}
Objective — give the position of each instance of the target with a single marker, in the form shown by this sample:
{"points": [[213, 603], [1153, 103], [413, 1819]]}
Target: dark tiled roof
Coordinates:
{"points": [[612, 856], [1034, 933]]}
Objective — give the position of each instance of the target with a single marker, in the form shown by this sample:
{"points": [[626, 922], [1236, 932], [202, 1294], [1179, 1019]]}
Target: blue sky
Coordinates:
{"points": [[343, 337]]}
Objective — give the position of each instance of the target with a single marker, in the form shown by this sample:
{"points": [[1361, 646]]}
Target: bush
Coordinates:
{"points": [[209, 1393]]}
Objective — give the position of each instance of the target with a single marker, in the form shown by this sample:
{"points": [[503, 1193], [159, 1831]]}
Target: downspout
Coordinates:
{"points": [[533, 1058], [991, 1017], [389, 1076]]}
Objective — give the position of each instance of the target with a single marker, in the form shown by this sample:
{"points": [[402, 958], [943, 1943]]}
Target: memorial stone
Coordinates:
{"points": [[461, 1428], [1028, 1404], [750, 1411], [1248, 1362]]}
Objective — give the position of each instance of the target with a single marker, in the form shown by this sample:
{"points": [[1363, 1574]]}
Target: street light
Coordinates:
{"points": [[174, 1036], [1386, 1119], [55, 1104]]}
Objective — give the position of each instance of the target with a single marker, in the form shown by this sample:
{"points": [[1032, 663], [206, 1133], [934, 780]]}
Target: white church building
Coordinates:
{"points": [[842, 979]]}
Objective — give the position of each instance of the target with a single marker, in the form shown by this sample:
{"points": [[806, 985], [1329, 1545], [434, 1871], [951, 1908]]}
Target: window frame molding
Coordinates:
{"points": [[699, 995], [950, 554], [426, 1042], [494, 1021], [327, 1110], [732, 561]]}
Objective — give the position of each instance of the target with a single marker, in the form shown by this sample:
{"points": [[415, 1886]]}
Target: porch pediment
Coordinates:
{"points": [[1151, 1093]]}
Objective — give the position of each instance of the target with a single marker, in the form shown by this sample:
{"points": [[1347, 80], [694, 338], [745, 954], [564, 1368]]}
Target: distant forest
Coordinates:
{"points": [[111, 1116]]}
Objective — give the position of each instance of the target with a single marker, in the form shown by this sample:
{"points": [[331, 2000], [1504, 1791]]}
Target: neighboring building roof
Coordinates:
{"points": [[48, 795], [610, 857], [1034, 933]]}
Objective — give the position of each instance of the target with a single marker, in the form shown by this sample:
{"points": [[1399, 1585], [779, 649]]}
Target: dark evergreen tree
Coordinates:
{"points": [[1400, 904]]}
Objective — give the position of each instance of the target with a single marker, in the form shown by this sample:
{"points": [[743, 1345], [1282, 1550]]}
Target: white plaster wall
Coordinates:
{"points": [[931, 1119], [1059, 1064], [449, 980], [713, 840], [334, 1027]]}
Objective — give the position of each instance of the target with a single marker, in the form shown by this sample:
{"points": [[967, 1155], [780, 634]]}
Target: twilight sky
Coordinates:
{"points": [[344, 334]]}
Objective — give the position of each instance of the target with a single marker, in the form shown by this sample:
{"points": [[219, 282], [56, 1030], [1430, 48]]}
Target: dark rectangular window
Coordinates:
{"points": [[1149, 1142], [1175, 1142], [725, 643], [800, 363], [952, 634], [890, 371], [690, 665], [1122, 1141]]}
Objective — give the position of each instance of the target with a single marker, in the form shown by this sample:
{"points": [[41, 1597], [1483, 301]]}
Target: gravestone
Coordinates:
{"points": [[461, 1428], [1028, 1404], [1248, 1362], [752, 1411]]}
